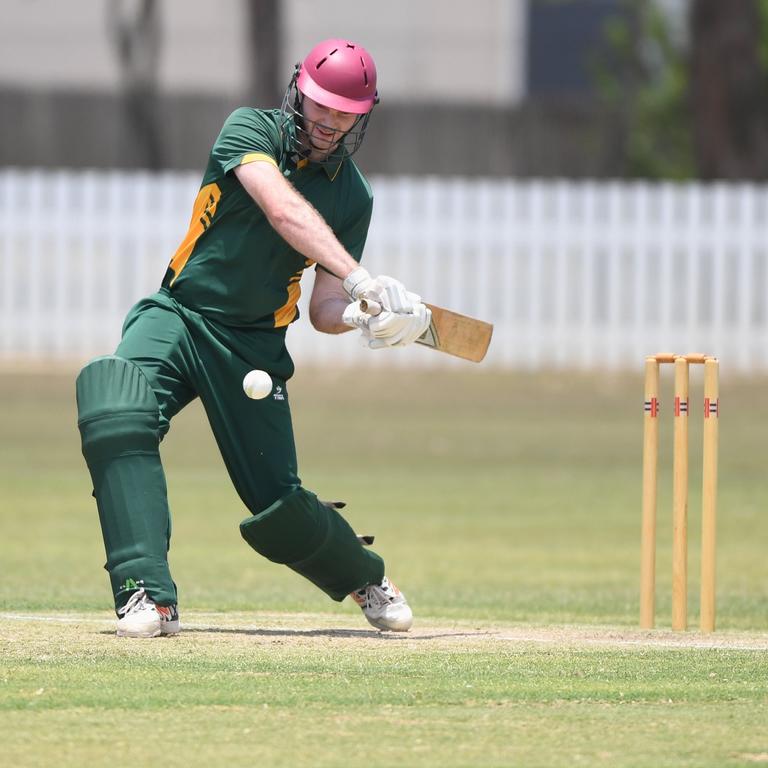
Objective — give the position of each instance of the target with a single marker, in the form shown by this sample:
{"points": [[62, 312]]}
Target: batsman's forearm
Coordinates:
{"points": [[304, 229], [325, 316], [293, 217]]}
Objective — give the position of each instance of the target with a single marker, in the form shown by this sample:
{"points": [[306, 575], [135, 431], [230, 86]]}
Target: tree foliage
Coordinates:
{"points": [[688, 102]]}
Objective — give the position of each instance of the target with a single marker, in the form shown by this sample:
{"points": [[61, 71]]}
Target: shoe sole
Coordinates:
{"points": [[167, 628], [392, 629], [146, 635], [389, 628]]}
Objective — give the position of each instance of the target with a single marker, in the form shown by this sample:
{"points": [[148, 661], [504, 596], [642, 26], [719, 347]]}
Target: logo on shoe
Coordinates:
{"points": [[279, 393], [167, 612]]}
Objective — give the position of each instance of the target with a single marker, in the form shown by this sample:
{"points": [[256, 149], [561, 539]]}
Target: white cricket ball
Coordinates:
{"points": [[257, 384]]}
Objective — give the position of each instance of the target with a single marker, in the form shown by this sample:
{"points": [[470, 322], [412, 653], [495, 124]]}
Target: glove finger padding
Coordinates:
{"points": [[390, 329], [388, 325], [354, 317], [421, 318], [357, 283], [391, 294]]}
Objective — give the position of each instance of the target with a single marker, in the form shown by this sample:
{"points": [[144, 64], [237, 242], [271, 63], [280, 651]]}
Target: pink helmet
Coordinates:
{"points": [[339, 74]]}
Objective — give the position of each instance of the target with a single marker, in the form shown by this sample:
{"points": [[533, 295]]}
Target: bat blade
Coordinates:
{"points": [[456, 334], [449, 332]]}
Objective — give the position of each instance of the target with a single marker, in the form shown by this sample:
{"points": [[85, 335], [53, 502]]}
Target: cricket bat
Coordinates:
{"points": [[449, 332]]}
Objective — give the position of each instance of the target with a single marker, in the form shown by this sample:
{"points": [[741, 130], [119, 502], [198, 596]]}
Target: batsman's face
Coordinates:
{"points": [[325, 128]]}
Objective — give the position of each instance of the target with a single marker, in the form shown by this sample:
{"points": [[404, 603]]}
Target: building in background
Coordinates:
{"points": [[571, 30], [147, 83], [513, 90], [521, 88], [464, 56]]}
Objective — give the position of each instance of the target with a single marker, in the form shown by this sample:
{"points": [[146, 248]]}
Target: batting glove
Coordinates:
{"points": [[354, 317], [357, 283], [391, 329], [392, 296], [384, 290]]}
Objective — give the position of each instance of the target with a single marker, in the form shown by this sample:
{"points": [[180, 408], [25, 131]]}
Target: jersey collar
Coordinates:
{"points": [[331, 167]]}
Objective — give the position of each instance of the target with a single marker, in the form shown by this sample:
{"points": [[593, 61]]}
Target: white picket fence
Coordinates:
{"points": [[572, 274]]}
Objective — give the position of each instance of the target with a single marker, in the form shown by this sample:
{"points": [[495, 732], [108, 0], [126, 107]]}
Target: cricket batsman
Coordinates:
{"points": [[280, 193]]}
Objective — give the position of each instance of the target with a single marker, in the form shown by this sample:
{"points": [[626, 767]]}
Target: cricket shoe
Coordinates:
{"points": [[140, 617], [385, 606]]}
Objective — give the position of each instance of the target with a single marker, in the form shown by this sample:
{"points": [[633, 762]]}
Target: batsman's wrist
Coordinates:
{"points": [[355, 282]]}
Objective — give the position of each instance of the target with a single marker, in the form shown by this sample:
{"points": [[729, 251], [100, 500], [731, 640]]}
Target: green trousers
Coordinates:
{"points": [[168, 356]]}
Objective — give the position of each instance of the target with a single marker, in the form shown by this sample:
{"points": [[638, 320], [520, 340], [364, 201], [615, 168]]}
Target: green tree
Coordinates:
{"points": [[641, 72], [688, 103]]}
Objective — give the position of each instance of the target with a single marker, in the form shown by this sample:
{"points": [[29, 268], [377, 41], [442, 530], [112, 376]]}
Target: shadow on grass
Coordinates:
{"points": [[342, 633]]}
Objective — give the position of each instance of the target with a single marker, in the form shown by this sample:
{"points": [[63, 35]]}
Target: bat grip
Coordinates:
{"points": [[370, 307]]}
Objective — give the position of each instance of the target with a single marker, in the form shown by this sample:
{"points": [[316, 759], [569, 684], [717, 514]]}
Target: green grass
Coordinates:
{"points": [[507, 508]]}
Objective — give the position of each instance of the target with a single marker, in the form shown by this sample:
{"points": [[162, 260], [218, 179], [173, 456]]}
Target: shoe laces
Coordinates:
{"points": [[376, 596], [138, 601]]}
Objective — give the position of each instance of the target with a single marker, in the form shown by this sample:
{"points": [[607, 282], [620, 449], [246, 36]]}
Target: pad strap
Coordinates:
{"points": [[314, 540]]}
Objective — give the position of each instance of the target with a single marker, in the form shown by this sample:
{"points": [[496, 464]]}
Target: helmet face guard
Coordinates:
{"points": [[296, 136], [338, 75]]}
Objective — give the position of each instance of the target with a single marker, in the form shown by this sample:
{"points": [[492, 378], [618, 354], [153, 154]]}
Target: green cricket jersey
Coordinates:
{"points": [[232, 266]]}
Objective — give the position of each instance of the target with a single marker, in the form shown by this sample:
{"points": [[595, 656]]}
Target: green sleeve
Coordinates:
{"points": [[246, 132], [356, 232]]}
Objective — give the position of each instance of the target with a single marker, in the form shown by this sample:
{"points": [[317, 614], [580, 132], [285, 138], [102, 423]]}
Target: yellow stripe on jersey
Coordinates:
{"points": [[202, 214], [287, 313], [253, 157]]}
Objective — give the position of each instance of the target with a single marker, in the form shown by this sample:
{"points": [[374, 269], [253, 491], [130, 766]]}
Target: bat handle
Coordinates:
{"points": [[370, 307]]}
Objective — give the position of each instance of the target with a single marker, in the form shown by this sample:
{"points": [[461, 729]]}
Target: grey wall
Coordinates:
{"points": [[88, 129], [459, 52]]}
